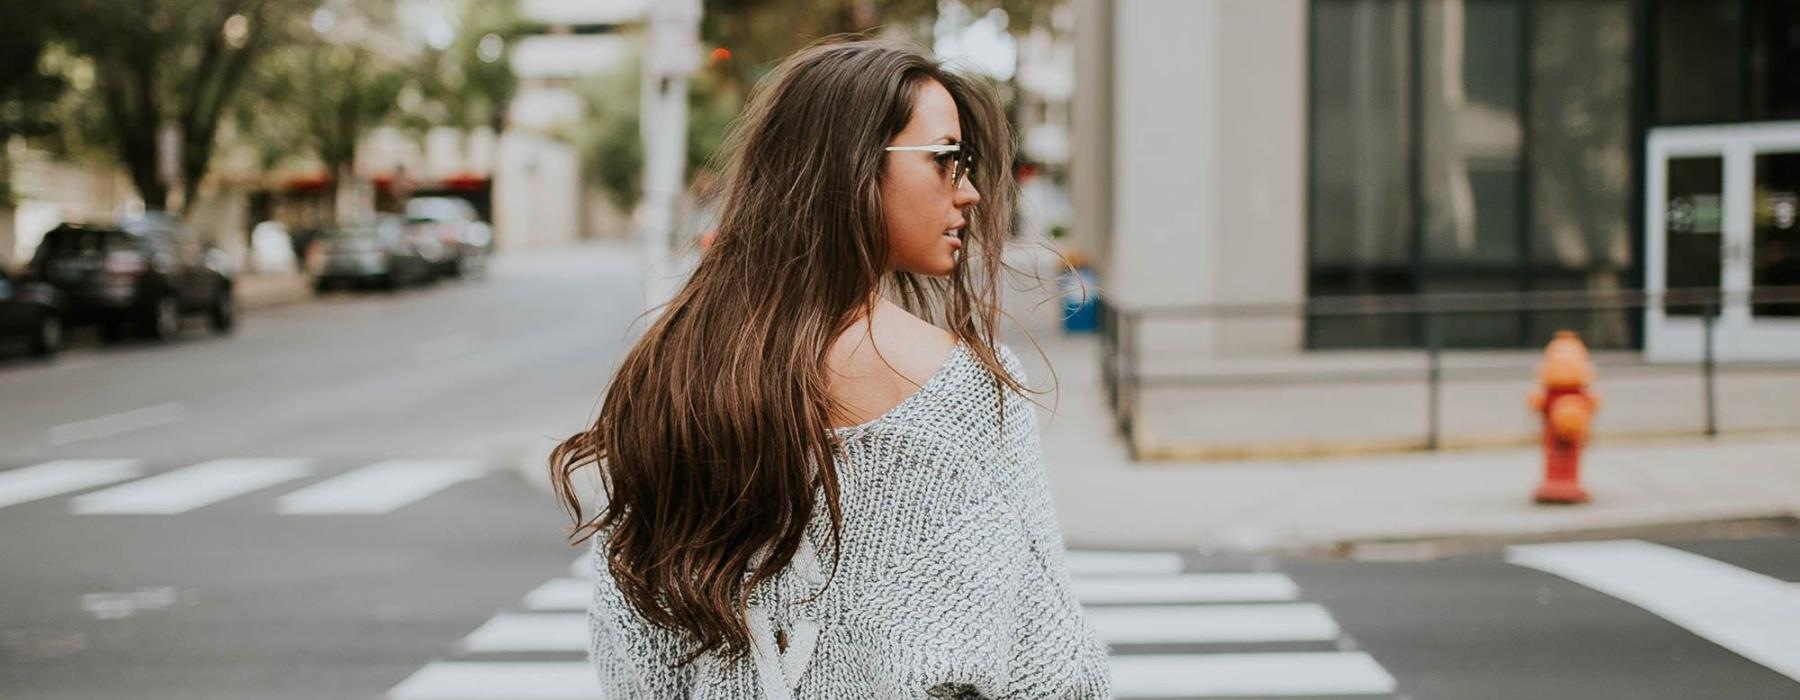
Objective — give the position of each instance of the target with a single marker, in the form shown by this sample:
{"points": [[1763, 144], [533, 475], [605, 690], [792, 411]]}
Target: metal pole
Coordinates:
{"points": [[672, 53], [1706, 370], [1434, 375], [1128, 379]]}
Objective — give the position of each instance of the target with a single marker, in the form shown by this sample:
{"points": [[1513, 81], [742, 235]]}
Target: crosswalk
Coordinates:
{"points": [[101, 487], [1754, 615], [1143, 605]]}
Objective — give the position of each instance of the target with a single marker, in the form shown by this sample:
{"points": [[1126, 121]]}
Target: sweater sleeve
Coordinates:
{"points": [[634, 659]]}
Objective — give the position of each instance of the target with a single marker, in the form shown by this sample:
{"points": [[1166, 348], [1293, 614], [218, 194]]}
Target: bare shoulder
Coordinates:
{"points": [[874, 366]]}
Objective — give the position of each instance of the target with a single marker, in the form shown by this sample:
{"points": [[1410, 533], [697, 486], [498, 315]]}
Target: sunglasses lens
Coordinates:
{"points": [[964, 164]]}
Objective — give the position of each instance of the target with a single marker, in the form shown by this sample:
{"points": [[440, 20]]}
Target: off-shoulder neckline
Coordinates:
{"points": [[957, 353]]}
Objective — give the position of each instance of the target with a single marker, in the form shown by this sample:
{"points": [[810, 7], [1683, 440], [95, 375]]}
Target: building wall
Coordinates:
{"points": [[537, 192], [1262, 161], [1090, 132], [1208, 166]]}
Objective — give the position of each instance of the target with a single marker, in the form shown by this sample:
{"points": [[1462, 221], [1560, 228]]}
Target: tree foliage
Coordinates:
{"points": [[170, 64]]}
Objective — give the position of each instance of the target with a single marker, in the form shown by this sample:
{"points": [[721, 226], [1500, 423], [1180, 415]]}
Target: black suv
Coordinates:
{"points": [[148, 269], [31, 312]]}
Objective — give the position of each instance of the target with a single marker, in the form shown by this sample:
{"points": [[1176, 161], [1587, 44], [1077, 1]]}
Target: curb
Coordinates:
{"points": [[1159, 453], [263, 291]]}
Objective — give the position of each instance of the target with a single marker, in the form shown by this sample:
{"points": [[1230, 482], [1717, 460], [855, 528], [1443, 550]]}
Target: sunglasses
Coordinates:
{"points": [[950, 156]]}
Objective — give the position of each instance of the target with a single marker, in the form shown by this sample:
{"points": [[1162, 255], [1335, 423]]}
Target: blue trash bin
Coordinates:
{"points": [[1081, 300]]}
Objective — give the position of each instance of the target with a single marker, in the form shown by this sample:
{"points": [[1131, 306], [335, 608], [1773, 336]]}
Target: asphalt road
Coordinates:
{"points": [[323, 505], [256, 593]]}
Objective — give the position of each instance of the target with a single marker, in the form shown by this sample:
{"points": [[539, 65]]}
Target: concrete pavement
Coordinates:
{"points": [[1106, 499]]}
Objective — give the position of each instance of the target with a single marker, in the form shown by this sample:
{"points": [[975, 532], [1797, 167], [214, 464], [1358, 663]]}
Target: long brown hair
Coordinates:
{"points": [[714, 436]]}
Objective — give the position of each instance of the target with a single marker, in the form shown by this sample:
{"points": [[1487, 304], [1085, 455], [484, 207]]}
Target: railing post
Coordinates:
{"points": [[1434, 375], [1128, 379], [1109, 348], [1707, 369]]}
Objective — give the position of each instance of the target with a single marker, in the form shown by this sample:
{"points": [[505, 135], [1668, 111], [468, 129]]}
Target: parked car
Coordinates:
{"points": [[452, 221], [379, 252], [149, 270], [31, 312]]}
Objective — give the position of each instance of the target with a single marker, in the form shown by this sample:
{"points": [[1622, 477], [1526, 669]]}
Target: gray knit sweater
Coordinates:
{"points": [[951, 582]]}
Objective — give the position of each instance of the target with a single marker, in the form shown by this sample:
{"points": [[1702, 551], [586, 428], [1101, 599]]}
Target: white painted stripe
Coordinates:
{"points": [[1104, 563], [567, 680], [1755, 615], [137, 419], [561, 594], [535, 632], [1213, 624], [63, 476], [382, 487], [1248, 675], [185, 489], [1186, 588]]}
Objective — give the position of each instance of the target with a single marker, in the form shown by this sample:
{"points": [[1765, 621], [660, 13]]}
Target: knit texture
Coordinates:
{"points": [[951, 582]]}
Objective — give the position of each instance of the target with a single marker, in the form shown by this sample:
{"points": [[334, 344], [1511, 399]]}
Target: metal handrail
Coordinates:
{"points": [[1119, 328]]}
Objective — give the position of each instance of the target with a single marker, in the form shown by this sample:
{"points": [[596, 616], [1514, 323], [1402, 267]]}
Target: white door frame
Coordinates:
{"points": [[1737, 336]]}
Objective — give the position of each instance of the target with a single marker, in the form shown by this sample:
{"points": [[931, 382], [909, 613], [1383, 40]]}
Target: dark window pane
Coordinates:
{"points": [[1470, 132], [1360, 130], [1581, 187], [1693, 225], [1698, 76], [1775, 254], [1775, 59], [1359, 194]]}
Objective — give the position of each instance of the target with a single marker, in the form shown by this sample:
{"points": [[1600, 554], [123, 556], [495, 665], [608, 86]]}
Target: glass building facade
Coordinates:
{"points": [[1496, 146]]}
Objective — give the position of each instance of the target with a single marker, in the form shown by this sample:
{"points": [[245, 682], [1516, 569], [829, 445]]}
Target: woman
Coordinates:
{"points": [[822, 480]]}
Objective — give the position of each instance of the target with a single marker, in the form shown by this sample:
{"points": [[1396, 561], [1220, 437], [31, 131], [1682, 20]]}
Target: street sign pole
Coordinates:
{"points": [[672, 54]]}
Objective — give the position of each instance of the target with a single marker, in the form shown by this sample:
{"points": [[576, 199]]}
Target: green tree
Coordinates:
{"points": [[28, 92], [320, 98], [475, 79], [610, 139], [171, 64], [760, 33]]}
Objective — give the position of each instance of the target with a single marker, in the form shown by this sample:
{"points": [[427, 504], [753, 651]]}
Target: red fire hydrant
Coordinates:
{"points": [[1568, 409]]}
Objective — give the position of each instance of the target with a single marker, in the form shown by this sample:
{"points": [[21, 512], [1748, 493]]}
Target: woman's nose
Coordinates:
{"points": [[966, 194]]}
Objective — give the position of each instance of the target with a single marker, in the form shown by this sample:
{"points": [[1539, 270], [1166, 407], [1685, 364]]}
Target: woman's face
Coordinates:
{"points": [[924, 215]]}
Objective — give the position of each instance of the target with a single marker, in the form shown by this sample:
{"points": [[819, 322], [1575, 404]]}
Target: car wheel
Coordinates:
{"points": [[48, 340], [164, 321], [224, 313], [112, 330]]}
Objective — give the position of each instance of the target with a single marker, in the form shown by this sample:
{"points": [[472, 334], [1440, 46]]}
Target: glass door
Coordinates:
{"points": [[1723, 204], [1685, 250], [1772, 253]]}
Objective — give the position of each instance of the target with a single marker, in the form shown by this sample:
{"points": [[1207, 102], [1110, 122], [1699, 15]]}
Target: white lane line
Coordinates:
{"points": [[1755, 615], [185, 489], [1213, 624], [382, 487], [1248, 675], [137, 419], [560, 594], [63, 476], [567, 680], [509, 632], [1186, 588], [1103, 563]]}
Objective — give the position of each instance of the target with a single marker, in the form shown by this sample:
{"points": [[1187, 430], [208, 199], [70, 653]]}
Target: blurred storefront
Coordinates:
{"points": [[1290, 150]]}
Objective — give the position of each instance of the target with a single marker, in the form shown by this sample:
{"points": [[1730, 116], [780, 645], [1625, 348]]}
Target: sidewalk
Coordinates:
{"points": [[1106, 500], [262, 290]]}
